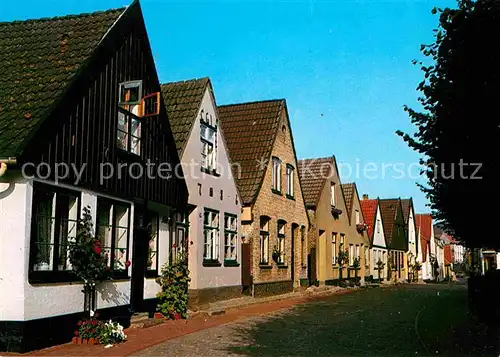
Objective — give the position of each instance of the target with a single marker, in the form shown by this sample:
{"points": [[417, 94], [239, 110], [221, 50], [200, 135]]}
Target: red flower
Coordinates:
{"points": [[76, 332], [97, 249], [177, 316], [174, 246], [79, 323], [94, 322], [98, 242], [128, 263]]}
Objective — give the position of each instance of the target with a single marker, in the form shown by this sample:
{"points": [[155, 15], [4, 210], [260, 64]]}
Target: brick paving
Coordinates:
{"points": [[140, 339]]}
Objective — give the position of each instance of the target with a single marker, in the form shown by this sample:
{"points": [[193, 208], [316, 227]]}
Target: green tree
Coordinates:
{"points": [[458, 122]]}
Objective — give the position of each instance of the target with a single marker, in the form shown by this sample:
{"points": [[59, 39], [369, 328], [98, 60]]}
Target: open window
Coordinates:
{"points": [[129, 132], [150, 105]]}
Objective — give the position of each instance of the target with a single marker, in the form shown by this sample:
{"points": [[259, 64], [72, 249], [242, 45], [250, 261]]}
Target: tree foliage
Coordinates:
{"points": [[458, 124]]}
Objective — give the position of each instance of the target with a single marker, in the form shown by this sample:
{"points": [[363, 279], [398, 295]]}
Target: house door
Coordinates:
{"points": [[246, 272], [139, 256]]}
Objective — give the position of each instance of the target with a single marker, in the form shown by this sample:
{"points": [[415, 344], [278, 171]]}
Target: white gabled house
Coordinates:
{"points": [[214, 255], [411, 232], [378, 246]]}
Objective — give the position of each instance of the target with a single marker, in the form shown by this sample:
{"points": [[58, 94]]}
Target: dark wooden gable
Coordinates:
{"points": [[82, 128]]}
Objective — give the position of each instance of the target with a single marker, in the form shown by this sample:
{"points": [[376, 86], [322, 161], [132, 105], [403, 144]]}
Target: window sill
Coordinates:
{"points": [[265, 266], [282, 266], [231, 263], [211, 263], [210, 172], [66, 277], [290, 197], [273, 190], [128, 155]]}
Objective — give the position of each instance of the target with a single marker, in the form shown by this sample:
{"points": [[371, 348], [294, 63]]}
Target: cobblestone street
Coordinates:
{"points": [[403, 321]]}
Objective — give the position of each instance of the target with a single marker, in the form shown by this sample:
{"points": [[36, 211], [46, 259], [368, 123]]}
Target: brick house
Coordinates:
{"points": [[329, 232], [376, 236], [274, 219], [215, 208], [82, 92], [396, 238], [359, 246]]}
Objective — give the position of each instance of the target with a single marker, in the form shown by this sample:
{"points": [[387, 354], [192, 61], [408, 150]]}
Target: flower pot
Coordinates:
{"points": [[159, 315], [85, 341]]}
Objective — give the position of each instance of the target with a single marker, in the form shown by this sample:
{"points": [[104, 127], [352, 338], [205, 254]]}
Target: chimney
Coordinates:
{"points": [[365, 196]]}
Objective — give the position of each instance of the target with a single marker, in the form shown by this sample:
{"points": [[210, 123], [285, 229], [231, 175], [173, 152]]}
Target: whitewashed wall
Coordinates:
{"points": [[378, 242], [20, 300], [209, 277]]}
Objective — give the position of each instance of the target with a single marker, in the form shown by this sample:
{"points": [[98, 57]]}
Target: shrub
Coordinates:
{"points": [[172, 301]]}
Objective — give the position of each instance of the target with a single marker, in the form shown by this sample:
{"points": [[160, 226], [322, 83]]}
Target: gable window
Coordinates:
{"points": [[230, 237], [332, 194], [379, 223], [129, 132], [208, 137], [129, 123], [211, 235], [54, 226], [358, 217], [276, 174], [334, 248], [113, 226], [264, 240], [281, 241], [289, 180], [154, 234]]}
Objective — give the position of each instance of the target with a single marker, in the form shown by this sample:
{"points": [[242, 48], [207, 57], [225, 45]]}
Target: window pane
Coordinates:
{"points": [[152, 263], [135, 146], [43, 240]]}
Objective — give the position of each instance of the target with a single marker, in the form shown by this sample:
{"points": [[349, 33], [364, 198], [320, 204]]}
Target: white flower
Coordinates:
{"points": [[92, 313]]}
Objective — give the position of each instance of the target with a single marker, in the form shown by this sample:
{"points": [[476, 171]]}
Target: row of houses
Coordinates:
{"points": [[165, 170]]}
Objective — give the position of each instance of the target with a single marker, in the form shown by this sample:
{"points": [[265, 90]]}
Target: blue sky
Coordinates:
{"points": [[343, 66]]}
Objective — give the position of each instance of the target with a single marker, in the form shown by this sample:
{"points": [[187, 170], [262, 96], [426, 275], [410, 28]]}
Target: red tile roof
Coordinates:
{"points": [[369, 209], [424, 226]]}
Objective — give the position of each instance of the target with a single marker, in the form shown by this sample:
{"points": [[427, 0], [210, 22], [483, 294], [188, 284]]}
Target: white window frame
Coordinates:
{"points": [[208, 138], [357, 216], [281, 227], [276, 174], [211, 224], [230, 237], [332, 194], [289, 180], [264, 240], [351, 254], [334, 248]]}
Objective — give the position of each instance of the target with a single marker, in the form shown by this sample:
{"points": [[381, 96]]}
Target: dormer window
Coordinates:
{"points": [[208, 137]]}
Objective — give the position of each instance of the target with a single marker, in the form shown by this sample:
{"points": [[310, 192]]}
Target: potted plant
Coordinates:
{"points": [[88, 331], [111, 333], [356, 264], [342, 258]]}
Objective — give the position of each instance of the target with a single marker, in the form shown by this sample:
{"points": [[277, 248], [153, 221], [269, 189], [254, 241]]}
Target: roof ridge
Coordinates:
{"points": [[66, 17], [252, 102], [186, 81], [318, 158]]}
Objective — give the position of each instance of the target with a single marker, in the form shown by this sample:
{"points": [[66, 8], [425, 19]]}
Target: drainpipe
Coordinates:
{"points": [[4, 164]]}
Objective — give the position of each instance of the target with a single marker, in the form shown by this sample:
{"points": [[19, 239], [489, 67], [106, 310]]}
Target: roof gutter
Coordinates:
{"points": [[4, 164]]}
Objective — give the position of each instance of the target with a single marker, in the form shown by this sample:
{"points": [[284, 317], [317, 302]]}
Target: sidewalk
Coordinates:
{"points": [[139, 339]]}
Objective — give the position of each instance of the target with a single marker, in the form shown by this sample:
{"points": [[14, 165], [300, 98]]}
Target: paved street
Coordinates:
{"points": [[409, 320]]}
